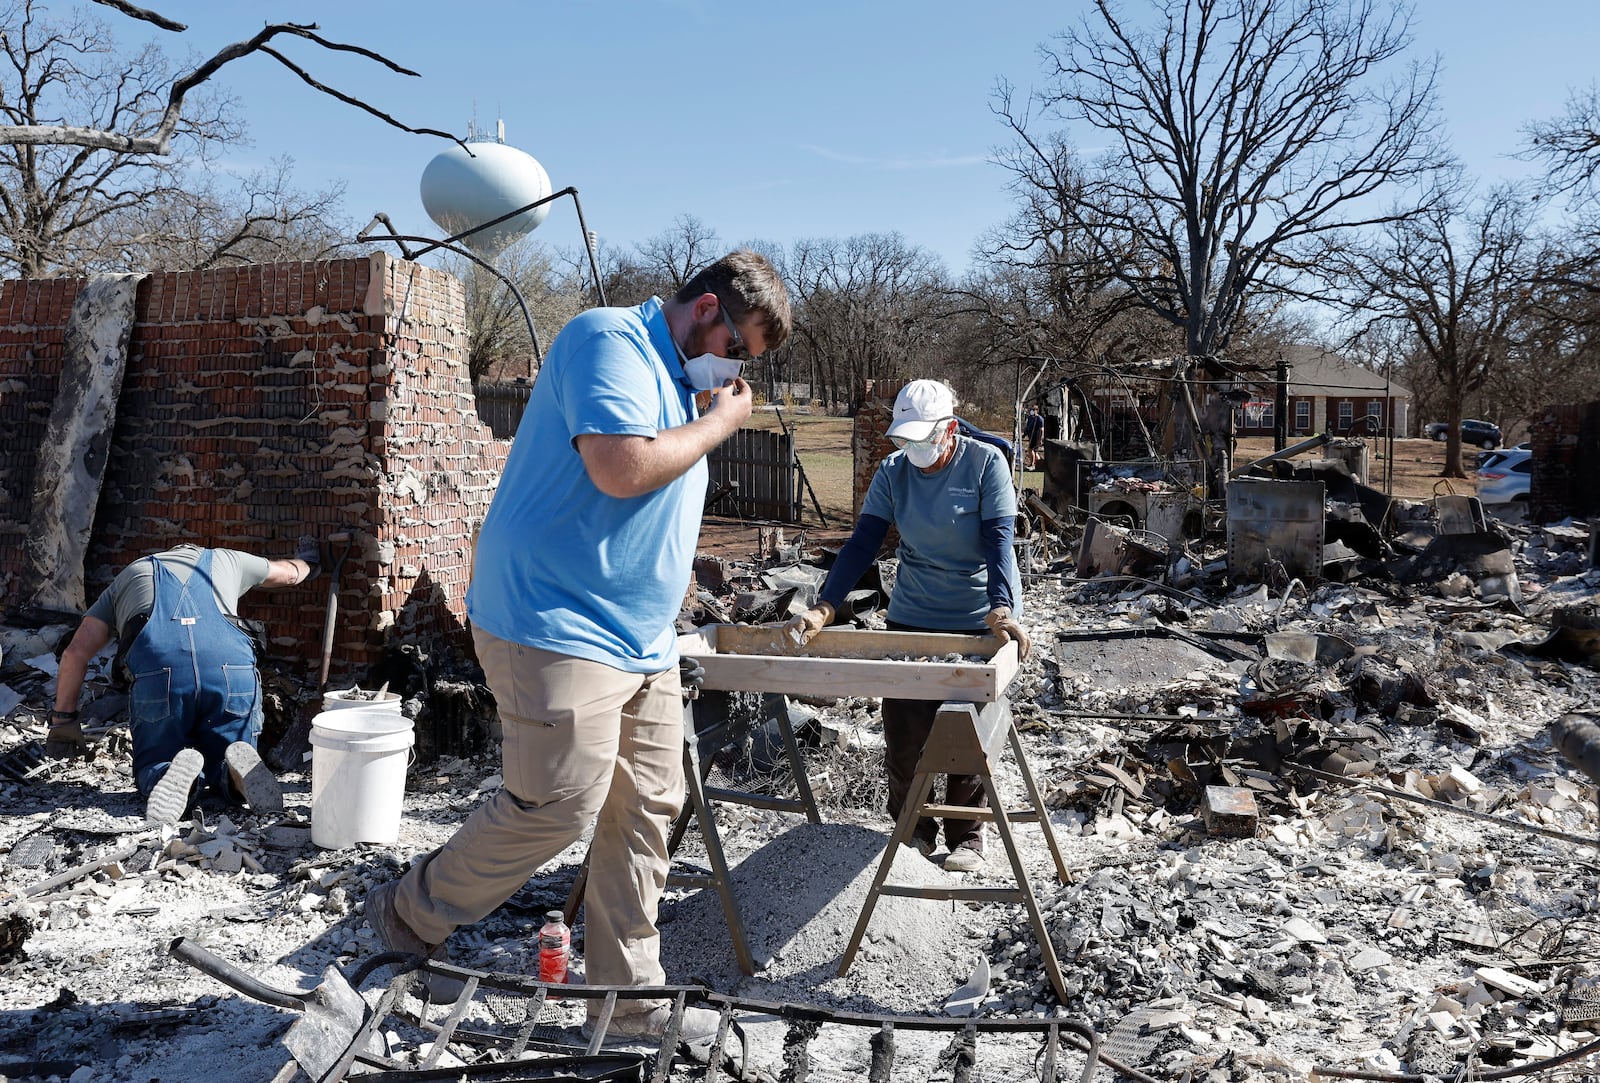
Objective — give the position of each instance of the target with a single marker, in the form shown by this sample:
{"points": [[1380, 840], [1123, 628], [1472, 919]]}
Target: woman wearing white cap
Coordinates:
{"points": [[952, 501]]}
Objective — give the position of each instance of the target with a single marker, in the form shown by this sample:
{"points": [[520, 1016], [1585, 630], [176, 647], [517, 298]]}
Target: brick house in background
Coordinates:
{"points": [[1328, 394]]}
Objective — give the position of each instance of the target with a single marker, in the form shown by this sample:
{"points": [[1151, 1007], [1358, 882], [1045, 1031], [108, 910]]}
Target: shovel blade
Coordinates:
{"points": [[333, 1017]]}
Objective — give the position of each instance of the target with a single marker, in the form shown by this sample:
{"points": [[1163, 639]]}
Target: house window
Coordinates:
{"points": [[1269, 416], [1302, 416], [1375, 412], [1346, 413]]}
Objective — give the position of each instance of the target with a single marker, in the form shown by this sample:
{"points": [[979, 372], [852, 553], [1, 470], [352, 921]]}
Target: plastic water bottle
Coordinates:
{"points": [[555, 942]]}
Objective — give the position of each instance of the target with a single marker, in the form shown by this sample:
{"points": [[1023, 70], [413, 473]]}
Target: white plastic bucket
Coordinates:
{"points": [[343, 699], [358, 775]]}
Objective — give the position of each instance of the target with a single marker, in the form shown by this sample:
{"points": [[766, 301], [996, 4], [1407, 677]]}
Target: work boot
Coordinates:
{"points": [[968, 857], [251, 780], [699, 1027], [169, 797], [395, 935], [923, 846]]}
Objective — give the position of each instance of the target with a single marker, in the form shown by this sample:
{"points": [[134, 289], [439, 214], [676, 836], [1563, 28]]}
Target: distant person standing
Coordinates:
{"points": [[581, 567], [194, 706], [1032, 437]]}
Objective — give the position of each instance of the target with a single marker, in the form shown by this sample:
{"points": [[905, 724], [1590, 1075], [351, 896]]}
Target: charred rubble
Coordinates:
{"points": [[1321, 819], [1312, 806]]}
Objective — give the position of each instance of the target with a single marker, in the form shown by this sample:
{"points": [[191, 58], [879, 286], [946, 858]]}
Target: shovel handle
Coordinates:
{"points": [[332, 615], [231, 976]]}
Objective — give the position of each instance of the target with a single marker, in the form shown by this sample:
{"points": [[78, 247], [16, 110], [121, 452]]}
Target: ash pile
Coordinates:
{"points": [[1330, 819], [1313, 808]]}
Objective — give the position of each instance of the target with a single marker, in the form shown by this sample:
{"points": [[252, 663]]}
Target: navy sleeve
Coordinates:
{"points": [[853, 559], [1000, 558]]}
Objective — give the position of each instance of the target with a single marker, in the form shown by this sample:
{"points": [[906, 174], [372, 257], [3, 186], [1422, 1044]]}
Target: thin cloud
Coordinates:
{"points": [[938, 161]]}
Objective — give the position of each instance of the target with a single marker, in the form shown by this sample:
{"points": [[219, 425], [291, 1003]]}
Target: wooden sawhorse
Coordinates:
{"points": [[697, 807], [967, 739]]}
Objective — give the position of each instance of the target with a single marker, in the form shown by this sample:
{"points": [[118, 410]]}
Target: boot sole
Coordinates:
{"points": [[252, 779], [169, 797]]}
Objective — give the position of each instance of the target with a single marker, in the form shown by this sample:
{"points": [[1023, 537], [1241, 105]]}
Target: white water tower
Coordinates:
{"points": [[460, 190]]}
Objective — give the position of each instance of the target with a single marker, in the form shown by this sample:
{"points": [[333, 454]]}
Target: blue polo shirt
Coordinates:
{"points": [[560, 565]]}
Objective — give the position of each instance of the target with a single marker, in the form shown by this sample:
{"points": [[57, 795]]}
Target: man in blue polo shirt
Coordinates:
{"points": [[580, 570]]}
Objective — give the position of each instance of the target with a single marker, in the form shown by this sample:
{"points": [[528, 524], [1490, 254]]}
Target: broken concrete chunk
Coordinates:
{"points": [[1166, 1020], [1303, 931], [1368, 958], [966, 999], [286, 838], [1506, 982], [1462, 780]]}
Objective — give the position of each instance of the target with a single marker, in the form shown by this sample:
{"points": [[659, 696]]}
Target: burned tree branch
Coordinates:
{"points": [[159, 141], [143, 14]]}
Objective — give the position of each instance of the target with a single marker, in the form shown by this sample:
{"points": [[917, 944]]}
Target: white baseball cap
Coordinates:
{"points": [[920, 406]]}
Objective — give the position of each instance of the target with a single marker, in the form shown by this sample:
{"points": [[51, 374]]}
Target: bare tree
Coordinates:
{"points": [[89, 134], [1570, 143], [1567, 282], [655, 267], [1049, 289], [1457, 277], [259, 218], [143, 137], [868, 308], [498, 337], [673, 256], [1558, 359], [1240, 131]]}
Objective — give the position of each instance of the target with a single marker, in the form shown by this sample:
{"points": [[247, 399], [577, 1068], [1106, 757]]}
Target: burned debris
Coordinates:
{"points": [[1296, 747]]}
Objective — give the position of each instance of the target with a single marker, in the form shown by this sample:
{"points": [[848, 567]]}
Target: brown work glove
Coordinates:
{"points": [[65, 740], [691, 675], [803, 629], [1005, 629]]}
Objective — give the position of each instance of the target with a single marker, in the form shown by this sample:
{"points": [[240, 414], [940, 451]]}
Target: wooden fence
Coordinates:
{"points": [[754, 473], [500, 406]]}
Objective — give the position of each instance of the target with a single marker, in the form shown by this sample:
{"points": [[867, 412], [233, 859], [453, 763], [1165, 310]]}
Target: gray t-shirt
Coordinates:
{"points": [[133, 592], [943, 578]]}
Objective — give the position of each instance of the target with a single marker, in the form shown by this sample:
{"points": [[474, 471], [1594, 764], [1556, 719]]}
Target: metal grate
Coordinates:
{"points": [[527, 1040]]}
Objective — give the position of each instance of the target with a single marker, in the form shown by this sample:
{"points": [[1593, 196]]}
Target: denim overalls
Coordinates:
{"points": [[194, 679]]}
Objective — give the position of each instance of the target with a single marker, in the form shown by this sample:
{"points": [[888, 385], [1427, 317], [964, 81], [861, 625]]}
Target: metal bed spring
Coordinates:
{"points": [[804, 1020]]}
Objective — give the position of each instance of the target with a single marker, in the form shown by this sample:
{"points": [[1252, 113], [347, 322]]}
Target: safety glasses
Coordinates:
{"points": [[737, 350], [928, 443]]}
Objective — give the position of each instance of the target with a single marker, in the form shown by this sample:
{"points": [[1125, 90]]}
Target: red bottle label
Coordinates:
{"points": [[553, 956]]}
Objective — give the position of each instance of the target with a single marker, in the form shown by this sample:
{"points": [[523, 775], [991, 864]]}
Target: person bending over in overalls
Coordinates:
{"points": [[194, 704]]}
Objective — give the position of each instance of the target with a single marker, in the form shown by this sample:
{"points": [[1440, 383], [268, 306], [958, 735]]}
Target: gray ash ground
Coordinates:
{"points": [[1355, 929]]}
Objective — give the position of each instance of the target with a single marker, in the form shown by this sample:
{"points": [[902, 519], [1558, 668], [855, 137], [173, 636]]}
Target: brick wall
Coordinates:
{"points": [[264, 402], [1566, 445], [868, 444]]}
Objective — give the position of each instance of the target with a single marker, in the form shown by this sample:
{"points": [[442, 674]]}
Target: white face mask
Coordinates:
{"points": [[709, 372], [924, 453]]}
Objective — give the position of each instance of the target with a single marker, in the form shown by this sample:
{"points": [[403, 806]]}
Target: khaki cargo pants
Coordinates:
{"points": [[580, 738]]}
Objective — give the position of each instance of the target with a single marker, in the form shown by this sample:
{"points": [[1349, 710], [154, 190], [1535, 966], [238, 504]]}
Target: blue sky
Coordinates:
{"points": [[770, 122]]}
